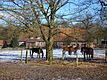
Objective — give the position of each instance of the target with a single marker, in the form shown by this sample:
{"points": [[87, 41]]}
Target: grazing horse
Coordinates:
{"points": [[36, 50], [87, 51]]}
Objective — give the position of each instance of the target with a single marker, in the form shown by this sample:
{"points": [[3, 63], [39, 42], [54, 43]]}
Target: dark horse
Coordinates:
{"points": [[36, 50], [87, 51]]}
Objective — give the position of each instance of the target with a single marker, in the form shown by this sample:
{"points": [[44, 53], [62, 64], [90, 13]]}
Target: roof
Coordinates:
{"points": [[22, 40], [72, 34], [34, 39]]}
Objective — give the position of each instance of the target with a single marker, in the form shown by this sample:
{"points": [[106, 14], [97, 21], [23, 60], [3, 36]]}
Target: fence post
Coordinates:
{"points": [[76, 59], [106, 55], [21, 56], [39, 54], [26, 60], [62, 56]]}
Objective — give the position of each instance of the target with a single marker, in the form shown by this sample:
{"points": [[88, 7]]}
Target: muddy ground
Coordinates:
{"points": [[40, 70]]}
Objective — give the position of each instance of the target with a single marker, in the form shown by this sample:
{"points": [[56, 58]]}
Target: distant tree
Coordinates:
{"points": [[3, 33], [14, 42]]}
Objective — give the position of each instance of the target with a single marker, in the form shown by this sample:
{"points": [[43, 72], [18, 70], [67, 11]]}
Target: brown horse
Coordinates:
{"points": [[71, 49]]}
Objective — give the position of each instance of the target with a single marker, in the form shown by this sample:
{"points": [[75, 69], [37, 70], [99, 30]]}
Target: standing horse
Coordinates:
{"points": [[70, 49], [36, 50], [87, 51]]}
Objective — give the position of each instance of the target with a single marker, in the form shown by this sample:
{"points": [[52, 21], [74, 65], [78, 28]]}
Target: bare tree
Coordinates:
{"points": [[103, 12], [34, 13], [31, 13]]}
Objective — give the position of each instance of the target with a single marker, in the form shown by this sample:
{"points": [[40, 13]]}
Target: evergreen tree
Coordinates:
{"points": [[14, 42]]}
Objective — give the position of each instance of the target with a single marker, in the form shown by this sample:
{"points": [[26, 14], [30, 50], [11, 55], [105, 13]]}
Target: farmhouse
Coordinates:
{"points": [[35, 42], [69, 36], [65, 37]]}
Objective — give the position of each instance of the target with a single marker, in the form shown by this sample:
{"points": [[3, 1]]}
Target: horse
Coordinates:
{"points": [[71, 49], [87, 51], [36, 50]]}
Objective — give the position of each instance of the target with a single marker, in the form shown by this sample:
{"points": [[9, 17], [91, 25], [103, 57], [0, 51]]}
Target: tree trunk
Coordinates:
{"points": [[49, 47], [49, 50]]}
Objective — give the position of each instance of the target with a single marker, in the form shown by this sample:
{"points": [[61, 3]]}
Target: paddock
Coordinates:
{"points": [[14, 55]]}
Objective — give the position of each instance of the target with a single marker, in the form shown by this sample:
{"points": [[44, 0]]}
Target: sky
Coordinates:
{"points": [[63, 10], [1, 21], [67, 9]]}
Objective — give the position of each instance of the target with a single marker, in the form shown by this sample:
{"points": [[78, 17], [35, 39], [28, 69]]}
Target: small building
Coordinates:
{"points": [[104, 43], [35, 42], [66, 36], [69, 36], [22, 42], [60, 42]]}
